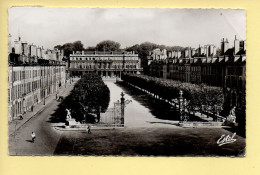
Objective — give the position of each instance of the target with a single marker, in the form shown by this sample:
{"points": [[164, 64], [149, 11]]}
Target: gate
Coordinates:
{"points": [[112, 117]]}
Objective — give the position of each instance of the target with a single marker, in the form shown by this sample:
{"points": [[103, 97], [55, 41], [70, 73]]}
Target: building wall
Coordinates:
{"points": [[18, 47], [104, 63], [9, 43], [29, 85], [228, 73], [25, 49], [33, 51]]}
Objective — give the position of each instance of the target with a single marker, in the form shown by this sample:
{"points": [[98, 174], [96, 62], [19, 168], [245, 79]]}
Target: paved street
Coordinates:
{"points": [[46, 136]]}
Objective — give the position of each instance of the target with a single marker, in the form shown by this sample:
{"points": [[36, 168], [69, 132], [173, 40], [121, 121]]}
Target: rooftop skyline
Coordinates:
{"points": [[48, 27]]}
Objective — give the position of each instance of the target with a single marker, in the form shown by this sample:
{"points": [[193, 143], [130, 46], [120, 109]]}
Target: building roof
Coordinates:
{"points": [[229, 52]]}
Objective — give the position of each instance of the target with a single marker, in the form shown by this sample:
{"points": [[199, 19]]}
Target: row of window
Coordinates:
{"points": [[235, 71], [103, 58], [21, 90], [102, 66], [26, 74], [234, 82], [232, 70]]}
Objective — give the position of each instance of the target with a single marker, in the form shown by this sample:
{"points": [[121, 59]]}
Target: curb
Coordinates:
{"points": [[48, 104], [84, 129]]}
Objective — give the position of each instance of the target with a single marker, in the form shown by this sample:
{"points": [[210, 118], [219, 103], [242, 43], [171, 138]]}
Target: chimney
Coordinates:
{"points": [[224, 46], [206, 51], [236, 45]]}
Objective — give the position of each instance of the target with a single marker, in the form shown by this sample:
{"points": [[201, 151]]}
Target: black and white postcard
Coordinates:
{"points": [[126, 82]]}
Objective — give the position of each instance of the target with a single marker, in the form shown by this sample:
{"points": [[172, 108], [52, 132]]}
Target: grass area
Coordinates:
{"points": [[150, 142]]}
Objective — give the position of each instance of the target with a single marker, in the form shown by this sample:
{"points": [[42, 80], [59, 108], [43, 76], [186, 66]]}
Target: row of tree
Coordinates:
{"points": [[87, 100], [198, 95], [106, 45]]}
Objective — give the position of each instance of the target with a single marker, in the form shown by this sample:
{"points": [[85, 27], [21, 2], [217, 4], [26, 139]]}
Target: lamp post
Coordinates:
{"points": [[123, 105], [181, 104], [23, 98], [44, 96]]}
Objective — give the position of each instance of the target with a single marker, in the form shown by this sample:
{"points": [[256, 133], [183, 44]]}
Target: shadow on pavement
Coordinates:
{"points": [[167, 123], [160, 109], [29, 141], [163, 110]]}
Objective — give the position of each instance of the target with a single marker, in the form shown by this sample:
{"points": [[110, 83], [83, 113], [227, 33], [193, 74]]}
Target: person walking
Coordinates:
{"points": [[33, 136], [89, 131]]}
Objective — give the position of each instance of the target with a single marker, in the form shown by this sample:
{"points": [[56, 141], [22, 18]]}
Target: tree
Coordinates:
{"points": [[143, 51], [108, 45], [68, 48], [198, 95], [87, 100], [144, 48], [91, 92], [77, 46], [59, 47], [90, 48]]}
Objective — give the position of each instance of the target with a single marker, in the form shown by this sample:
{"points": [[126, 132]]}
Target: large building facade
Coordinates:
{"points": [[33, 74], [30, 85], [107, 64], [202, 65]]}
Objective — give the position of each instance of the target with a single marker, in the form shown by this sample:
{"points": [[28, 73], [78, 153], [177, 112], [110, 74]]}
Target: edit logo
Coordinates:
{"points": [[224, 139]]}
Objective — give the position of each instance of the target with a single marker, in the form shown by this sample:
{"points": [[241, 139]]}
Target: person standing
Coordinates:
{"points": [[33, 136]]}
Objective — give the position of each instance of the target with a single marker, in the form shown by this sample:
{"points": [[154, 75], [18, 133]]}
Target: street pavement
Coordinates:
{"points": [[38, 122]]}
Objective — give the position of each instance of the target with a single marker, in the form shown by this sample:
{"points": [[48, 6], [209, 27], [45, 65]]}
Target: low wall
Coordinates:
{"points": [[200, 124], [98, 125]]}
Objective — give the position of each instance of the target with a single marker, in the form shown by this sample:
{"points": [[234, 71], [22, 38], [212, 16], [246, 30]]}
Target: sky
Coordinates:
{"points": [[49, 27]]}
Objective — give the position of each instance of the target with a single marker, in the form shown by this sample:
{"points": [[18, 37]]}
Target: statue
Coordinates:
{"points": [[68, 117], [232, 115]]}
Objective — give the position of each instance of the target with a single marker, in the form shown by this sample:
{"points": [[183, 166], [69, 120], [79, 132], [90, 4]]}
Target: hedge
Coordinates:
{"points": [[89, 96], [197, 94]]}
